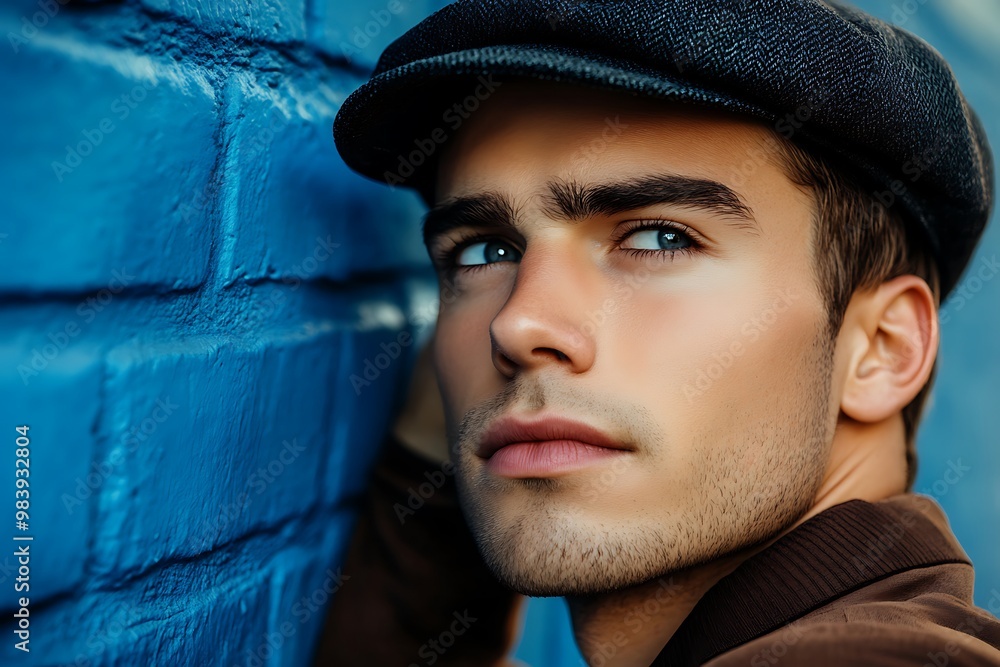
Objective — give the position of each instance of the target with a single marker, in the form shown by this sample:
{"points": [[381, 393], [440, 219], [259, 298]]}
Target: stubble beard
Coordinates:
{"points": [[551, 550]]}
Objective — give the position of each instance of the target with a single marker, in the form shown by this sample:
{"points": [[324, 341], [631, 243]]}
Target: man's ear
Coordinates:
{"points": [[892, 337]]}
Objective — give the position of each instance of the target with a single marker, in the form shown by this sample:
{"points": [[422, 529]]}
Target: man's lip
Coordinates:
{"points": [[508, 430]]}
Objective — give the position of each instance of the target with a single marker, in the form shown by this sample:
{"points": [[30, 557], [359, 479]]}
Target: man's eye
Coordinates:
{"points": [[487, 252], [659, 238]]}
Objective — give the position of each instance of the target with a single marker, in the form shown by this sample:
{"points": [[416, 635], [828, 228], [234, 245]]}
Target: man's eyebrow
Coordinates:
{"points": [[569, 200], [489, 209], [572, 201]]}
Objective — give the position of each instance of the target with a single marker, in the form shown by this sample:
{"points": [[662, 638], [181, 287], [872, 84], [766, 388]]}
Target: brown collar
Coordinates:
{"points": [[831, 554]]}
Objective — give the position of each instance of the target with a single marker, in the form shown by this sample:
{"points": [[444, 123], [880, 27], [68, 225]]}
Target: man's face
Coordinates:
{"points": [[657, 285]]}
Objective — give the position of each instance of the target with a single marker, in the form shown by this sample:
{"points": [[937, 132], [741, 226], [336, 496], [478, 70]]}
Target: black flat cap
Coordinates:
{"points": [[874, 99]]}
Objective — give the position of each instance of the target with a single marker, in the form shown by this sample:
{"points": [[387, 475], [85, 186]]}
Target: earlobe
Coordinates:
{"points": [[895, 341]]}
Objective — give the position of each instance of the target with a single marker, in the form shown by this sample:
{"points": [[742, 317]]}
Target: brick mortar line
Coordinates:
{"points": [[195, 43], [296, 529], [225, 558], [102, 445], [358, 280]]}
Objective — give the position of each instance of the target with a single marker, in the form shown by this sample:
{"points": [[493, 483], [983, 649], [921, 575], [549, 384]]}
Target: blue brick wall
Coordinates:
{"points": [[189, 275]]}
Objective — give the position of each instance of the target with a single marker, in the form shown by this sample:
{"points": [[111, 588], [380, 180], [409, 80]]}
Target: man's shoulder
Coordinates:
{"points": [[930, 629], [833, 644]]}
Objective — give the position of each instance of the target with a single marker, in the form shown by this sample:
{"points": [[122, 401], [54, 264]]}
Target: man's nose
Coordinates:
{"points": [[543, 319]]}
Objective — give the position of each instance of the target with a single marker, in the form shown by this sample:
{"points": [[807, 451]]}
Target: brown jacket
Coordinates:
{"points": [[883, 584], [877, 584]]}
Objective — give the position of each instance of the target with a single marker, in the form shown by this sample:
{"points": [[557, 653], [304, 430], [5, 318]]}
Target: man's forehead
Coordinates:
{"points": [[518, 104], [546, 131]]}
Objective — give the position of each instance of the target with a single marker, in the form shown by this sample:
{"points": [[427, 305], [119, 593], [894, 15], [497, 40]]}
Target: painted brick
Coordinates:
{"points": [[303, 580], [228, 433], [371, 384], [61, 409], [175, 197], [90, 180], [189, 615], [261, 20], [214, 627], [25, 18], [360, 31], [83, 632], [377, 358], [211, 205], [308, 206]]}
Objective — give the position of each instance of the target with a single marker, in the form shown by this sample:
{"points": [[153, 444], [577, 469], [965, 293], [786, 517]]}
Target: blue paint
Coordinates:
{"points": [[182, 309], [96, 146], [211, 252]]}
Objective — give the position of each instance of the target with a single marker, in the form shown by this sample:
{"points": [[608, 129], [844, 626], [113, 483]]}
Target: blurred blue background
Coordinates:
{"points": [[191, 281]]}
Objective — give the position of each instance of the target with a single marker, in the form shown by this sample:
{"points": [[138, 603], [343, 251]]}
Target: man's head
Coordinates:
{"points": [[653, 287], [743, 328]]}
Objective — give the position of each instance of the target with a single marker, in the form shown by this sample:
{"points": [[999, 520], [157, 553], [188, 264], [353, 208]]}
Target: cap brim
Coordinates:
{"points": [[393, 127]]}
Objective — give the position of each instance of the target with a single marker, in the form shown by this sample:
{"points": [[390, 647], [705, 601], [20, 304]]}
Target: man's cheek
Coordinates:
{"points": [[662, 492], [455, 364]]}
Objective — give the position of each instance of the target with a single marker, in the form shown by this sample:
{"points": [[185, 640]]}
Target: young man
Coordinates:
{"points": [[691, 256]]}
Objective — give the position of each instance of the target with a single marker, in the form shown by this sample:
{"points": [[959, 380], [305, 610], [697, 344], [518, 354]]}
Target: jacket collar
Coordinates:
{"points": [[831, 554]]}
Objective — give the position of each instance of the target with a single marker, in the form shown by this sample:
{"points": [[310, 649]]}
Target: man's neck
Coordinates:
{"points": [[629, 627]]}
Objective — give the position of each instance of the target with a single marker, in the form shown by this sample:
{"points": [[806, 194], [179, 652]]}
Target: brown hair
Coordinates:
{"points": [[858, 244]]}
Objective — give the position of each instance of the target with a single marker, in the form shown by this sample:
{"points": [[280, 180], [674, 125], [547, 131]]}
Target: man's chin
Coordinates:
{"points": [[544, 559], [521, 578]]}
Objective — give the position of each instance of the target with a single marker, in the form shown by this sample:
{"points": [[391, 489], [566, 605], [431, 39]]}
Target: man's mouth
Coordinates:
{"points": [[544, 446]]}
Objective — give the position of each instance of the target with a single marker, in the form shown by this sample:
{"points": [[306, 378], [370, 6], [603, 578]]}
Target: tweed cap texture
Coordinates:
{"points": [[875, 100]]}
